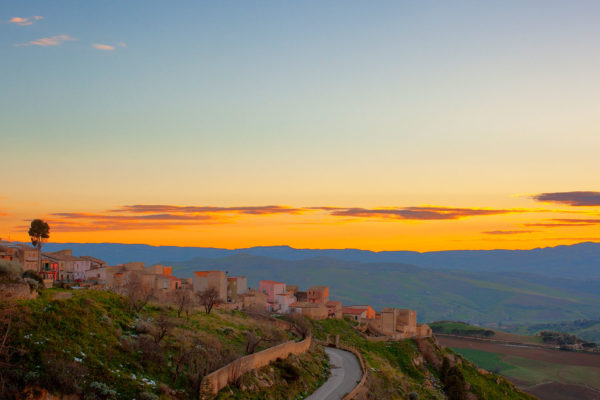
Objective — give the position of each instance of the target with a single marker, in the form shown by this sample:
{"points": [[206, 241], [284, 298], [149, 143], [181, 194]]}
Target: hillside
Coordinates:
{"points": [[436, 294], [92, 345]]}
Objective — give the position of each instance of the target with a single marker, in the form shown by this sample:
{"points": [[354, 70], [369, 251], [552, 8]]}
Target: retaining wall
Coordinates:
{"points": [[220, 378]]}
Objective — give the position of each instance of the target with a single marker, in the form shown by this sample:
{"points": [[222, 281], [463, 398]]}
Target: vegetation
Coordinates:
{"points": [[586, 329], [417, 368], [460, 329], [95, 344], [292, 378], [39, 232]]}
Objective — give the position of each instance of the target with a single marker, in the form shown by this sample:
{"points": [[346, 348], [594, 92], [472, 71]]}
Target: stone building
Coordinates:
{"points": [[318, 294], [70, 267], [204, 280]]}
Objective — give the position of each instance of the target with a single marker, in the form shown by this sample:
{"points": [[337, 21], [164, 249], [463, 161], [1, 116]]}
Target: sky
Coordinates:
{"points": [[316, 124]]}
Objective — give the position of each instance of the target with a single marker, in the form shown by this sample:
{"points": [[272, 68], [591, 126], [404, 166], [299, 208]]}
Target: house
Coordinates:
{"points": [[94, 262], [272, 289], [301, 296], [334, 309], [204, 280], [166, 282], [398, 323], [49, 269], [311, 310], [70, 268], [236, 285], [356, 314], [318, 294], [26, 255], [369, 311]]}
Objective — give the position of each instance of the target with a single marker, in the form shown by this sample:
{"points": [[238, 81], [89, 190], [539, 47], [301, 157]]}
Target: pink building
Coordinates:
{"points": [[273, 289]]}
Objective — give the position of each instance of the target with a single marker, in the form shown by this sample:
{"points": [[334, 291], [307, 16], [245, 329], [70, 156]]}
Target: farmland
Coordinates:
{"points": [[546, 373]]}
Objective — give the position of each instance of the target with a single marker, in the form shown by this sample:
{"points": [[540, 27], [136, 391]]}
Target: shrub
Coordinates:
{"points": [[33, 275], [10, 270]]}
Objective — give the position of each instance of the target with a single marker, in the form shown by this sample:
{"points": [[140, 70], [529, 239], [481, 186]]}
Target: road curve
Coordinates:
{"points": [[345, 375]]}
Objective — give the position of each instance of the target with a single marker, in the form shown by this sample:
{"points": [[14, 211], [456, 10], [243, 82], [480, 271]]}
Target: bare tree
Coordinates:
{"points": [[183, 300], [301, 325], [208, 298], [137, 293], [163, 325], [202, 358], [253, 341]]}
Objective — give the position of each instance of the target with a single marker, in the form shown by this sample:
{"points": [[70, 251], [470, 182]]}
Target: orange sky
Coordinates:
{"points": [[524, 223]]}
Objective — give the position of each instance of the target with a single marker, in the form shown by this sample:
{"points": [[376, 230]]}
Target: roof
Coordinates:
{"points": [[318, 288], [63, 257], [94, 259], [202, 274], [272, 282], [282, 294], [353, 311], [333, 303]]}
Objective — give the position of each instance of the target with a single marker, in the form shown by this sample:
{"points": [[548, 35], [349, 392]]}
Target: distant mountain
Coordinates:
{"points": [[477, 297], [579, 261]]}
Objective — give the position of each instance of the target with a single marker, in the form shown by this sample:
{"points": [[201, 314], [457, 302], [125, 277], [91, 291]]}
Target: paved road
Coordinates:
{"points": [[345, 374]]}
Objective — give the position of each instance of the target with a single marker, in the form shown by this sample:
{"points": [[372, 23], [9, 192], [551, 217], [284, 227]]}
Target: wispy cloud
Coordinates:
{"points": [[25, 21], [578, 198], [500, 232], [561, 222], [49, 41], [419, 212], [104, 47], [253, 210]]}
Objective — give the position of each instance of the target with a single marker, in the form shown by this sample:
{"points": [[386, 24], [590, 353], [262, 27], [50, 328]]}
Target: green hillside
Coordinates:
{"points": [[418, 368], [436, 295], [91, 343]]}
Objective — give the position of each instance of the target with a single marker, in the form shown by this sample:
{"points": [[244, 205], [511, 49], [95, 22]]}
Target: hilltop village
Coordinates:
{"points": [[230, 292]]}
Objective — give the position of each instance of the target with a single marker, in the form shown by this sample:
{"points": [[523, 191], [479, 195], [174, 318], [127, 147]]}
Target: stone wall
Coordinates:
{"points": [[220, 378], [17, 291]]}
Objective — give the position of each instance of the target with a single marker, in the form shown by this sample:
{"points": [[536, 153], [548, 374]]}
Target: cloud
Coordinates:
{"points": [[104, 47], [560, 222], [122, 44], [419, 213], [578, 199], [23, 21], [252, 210], [49, 41], [20, 21], [506, 232]]}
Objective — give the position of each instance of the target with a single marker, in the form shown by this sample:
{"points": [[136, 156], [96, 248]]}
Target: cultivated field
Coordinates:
{"points": [[548, 374]]}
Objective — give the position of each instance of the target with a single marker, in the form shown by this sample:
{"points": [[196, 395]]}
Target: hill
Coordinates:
{"points": [[578, 261], [481, 298]]}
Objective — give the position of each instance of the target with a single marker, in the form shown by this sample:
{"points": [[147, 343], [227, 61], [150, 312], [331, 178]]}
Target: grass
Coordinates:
{"points": [[70, 342], [532, 372]]}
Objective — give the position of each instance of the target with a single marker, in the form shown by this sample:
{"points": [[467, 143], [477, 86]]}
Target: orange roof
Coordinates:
{"points": [[204, 273], [353, 311], [273, 282], [282, 294]]}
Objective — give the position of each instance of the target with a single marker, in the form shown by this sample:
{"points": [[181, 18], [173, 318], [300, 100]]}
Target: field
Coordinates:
{"points": [[548, 374]]}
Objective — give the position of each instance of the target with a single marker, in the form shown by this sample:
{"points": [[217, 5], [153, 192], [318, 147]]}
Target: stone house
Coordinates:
{"points": [[334, 309], [311, 310], [318, 294], [94, 262], [236, 285], [70, 268], [204, 280]]}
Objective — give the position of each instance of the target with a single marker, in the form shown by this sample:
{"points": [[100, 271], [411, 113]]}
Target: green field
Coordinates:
{"points": [[532, 372]]}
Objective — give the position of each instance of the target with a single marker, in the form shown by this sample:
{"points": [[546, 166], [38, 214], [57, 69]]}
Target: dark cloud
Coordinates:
{"points": [[506, 232], [418, 213], [252, 210], [570, 198], [558, 222]]}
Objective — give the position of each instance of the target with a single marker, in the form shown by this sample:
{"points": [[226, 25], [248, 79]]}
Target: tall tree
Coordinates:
{"points": [[39, 232]]}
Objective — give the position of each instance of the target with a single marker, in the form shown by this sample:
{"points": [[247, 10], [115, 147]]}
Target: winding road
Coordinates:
{"points": [[345, 375]]}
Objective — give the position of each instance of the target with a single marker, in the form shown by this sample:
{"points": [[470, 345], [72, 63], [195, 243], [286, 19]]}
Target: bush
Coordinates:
{"points": [[99, 391], [33, 275], [10, 270]]}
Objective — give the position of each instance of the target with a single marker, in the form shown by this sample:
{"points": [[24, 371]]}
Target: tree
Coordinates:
{"points": [[183, 300], [208, 298], [39, 232], [301, 325], [253, 341], [136, 292]]}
